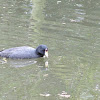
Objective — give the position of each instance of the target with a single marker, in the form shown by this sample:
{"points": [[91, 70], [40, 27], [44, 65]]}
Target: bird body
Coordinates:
{"points": [[24, 52]]}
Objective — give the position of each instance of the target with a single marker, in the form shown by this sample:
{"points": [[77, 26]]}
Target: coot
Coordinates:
{"points": [[25, 52]]}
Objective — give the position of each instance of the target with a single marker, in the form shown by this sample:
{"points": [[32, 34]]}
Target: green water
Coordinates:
{"points": [[71, 30]]}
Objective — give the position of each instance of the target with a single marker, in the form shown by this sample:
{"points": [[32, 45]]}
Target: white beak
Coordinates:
{"points": [[46, 53]]}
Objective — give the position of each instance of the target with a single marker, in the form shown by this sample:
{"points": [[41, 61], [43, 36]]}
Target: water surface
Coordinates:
{"points": [[71, 30]]}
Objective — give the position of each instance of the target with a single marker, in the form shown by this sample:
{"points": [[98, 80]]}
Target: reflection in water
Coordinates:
{"points": [[25, 62], [37, 15]]}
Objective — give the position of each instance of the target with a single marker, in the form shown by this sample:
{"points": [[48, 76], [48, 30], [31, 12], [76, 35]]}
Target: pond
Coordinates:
{"points": [[71, 30]]}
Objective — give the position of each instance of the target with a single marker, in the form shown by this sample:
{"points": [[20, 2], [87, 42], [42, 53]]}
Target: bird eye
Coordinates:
{"points": [[46, 50]]}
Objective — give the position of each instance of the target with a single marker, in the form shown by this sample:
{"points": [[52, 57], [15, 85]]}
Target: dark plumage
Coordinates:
{"points": [[25, 52]]}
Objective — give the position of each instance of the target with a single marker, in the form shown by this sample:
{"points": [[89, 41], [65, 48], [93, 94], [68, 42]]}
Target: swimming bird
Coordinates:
{"points": [[25, 52]]}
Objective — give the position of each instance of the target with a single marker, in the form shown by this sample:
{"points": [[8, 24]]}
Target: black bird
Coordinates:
{"points": [[25, 52]]}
